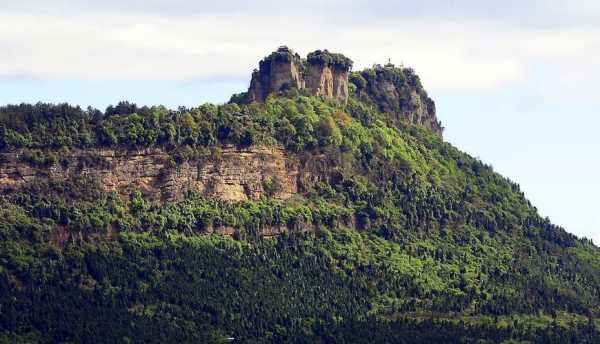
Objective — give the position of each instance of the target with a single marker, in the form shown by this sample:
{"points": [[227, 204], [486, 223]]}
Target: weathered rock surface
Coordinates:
{"points": [[398, 93], [419, 109], [423, 112], [328, 81], [277, 72], [284, 69], [233, 175]]}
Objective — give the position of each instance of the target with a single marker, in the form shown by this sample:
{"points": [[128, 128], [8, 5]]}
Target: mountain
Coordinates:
{"points": [[322, 205]]}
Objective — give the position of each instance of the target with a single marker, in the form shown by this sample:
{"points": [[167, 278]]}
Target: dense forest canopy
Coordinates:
{"points": [[403, 239]]}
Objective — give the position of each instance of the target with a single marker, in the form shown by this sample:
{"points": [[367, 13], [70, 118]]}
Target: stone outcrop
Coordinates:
{"points": [[322, 74], [279, 71], [418, 108], [328, 81], [232, 175], [229, 174], [423, 112], [397, 91]]}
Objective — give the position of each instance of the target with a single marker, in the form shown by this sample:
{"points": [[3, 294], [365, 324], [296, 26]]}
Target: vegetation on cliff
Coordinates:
{"points": [[283, 54], [326, 57], [398, 92], [401, 238]]}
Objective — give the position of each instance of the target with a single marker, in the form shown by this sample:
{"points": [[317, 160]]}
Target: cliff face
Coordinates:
{"points": [[276, 73], [327, 81], [234, 175], [320, 74], [424, 112], [416, 107], [231, 175], [399, 93]]}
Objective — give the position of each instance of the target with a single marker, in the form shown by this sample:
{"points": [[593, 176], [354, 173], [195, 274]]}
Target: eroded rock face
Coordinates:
{"points": [[284, 69], [233, 175], [328, 81], [340, 84], [230, 174], [273, 76], [320, 80], [398, 93], [423, 112], [419, 109]]}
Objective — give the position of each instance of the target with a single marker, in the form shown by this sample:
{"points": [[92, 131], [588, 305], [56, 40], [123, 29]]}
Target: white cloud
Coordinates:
{"points": [[469, 56], [122, 46], [576, 7]]}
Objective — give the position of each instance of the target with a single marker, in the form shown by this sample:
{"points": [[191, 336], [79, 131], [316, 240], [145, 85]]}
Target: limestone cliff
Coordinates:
{"points": [[228, 173], [322, 74], [278, 71], [398, 92], [232, 175], [327, 81]]}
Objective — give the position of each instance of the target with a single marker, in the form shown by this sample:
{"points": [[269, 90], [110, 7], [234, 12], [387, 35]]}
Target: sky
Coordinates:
{"points": [[515, 82]]}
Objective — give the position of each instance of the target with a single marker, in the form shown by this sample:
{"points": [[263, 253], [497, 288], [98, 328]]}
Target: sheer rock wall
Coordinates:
{"points": [[234, 175]]}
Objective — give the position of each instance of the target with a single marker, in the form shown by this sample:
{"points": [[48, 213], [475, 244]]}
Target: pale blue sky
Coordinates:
{"points": [[514, 83]]}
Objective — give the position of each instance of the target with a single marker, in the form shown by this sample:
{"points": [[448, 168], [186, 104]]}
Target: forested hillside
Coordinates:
{"points": [[398, 236]]}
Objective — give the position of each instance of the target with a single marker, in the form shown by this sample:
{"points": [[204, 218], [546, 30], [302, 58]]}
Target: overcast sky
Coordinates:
{"points": [[515, 82]]}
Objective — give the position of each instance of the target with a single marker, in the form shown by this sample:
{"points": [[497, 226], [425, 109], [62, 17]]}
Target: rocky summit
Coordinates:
{"points": [[322, 74], [394, 90]]}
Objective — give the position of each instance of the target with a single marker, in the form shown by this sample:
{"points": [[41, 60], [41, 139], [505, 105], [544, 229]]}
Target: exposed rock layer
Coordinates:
{"points": [[273, 77], [233, 175], [284, 69], [420, 109], [328, 81], [398, 93]]}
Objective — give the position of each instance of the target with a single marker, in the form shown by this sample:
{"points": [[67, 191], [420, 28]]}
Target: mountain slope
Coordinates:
{"points": [[390, 235]]}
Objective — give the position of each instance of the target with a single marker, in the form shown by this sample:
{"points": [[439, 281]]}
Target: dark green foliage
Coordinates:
{"points": [[39, 158], [401, 238], [154, 283], [47, 126]]}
